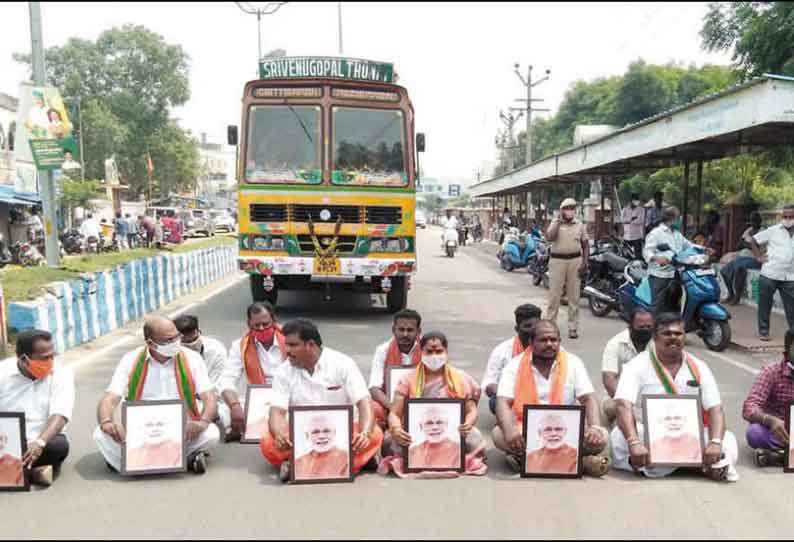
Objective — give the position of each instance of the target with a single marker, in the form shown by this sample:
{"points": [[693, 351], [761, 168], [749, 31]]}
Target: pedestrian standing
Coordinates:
{"points": [[569, 253], [132, 230], [121, 226], [633, 219], [777, 271], [653, 216]]}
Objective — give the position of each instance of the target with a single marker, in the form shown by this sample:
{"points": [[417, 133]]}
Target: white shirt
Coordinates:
{"points": [[620, 350], [337, 380], [633, 219], [379, 360], [660, 235], [38, 399], [161, 381], [450, 222], [779, 250], [90, 228], [577, 382], [500, 356], [215, 358], [639, 378], [234, 375]]}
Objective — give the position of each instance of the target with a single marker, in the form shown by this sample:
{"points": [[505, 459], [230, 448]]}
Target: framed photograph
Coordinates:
{"points": [[673, 430], [13, 446], [788, 465], [553, 440], [155, 442], [321, 444], [258, 399], [393, 377], [436, 443]]}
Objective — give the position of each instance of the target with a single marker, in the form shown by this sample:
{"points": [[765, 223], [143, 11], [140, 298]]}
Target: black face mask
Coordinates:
{"points": [[641, 337]]}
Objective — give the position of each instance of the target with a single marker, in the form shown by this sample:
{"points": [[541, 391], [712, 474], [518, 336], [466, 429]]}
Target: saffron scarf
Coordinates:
{"points": [[394, 357], [518, 348], [184, 382], [253, 368], [453, 378], [667, 380], [526, 390]]}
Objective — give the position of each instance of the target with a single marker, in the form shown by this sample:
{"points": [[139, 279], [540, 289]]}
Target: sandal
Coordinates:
{"points": [[573, 334], [595, 465], [720, 474]]}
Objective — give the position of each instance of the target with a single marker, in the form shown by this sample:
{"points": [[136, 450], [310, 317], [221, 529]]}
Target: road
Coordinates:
{"points": [[471, 300]]}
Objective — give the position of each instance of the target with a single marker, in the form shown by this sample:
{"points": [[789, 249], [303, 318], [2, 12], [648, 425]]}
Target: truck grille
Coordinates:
{"points": [[266, 212], [351, 214], [384, 215], [345, 245]]}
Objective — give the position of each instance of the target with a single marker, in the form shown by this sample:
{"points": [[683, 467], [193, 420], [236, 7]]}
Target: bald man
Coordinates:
{"points": [[10, 466], [325, 460], [157, 451], [554, 456], [437, 451], [676, 446]]}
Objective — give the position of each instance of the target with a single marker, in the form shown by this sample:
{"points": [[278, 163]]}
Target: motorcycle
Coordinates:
{"points": [[538, 264], [696, 290], [606, 265], [72, 241], [518, 249], [450, 241], [92, 244], [26, 255]]}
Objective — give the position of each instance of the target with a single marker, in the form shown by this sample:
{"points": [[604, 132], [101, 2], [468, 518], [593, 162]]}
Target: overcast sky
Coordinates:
{"points": [[455, 59]]}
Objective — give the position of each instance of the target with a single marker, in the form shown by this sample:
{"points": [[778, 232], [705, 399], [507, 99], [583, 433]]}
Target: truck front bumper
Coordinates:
{"points": [[350, 267]]}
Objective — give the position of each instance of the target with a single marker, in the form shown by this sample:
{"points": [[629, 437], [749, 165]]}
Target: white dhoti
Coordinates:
{"points": [[111, 450], [620, 454]]}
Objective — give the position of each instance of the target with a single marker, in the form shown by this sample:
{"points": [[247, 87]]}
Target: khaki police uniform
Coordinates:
{"points": [[564, 264]]}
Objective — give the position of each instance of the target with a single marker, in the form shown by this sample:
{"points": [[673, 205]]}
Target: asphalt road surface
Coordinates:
{"points": [[471, 300]]}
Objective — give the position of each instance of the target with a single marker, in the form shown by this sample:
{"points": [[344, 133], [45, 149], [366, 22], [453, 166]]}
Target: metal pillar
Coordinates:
{"points": [[699, 209], [685, 206]]}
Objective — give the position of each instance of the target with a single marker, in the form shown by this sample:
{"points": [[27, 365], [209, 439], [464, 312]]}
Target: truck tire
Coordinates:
{"points": [[258, 292], [397, 298]]}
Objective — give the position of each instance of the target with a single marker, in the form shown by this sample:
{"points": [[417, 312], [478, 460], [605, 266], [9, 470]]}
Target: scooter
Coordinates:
{"points": [[450, 241], [26, 255], [92, 244], [518, 249], [699, 296], [538, 264], [606, 265], [72, 241]]}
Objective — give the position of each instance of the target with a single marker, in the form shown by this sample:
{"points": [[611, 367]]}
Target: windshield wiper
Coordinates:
{"points": [[305, 130]]}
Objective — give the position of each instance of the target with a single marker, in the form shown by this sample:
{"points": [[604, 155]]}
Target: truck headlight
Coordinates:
{"points": [[277, 243], [260, 243]]}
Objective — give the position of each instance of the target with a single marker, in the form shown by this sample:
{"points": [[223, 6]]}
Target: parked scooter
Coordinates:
{"points": [[92, 244], [538, 264], [450, 241], [518, 249], [26, 254], [72, 241], [699, 302], [606, 265]]}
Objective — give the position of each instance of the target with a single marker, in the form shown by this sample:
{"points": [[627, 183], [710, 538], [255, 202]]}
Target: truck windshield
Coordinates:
{"points": [[283, 145], [368, 147]]}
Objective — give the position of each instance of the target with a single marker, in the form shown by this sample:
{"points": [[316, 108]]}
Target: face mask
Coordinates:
{"points": [[788, 224], [40, 368], [641, 337], [195, 345], [434, 362], [567, 215], [169, 350], [265, 336]]}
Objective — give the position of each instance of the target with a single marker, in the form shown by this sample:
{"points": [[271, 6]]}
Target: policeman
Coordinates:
{"points": [[569, 253]]}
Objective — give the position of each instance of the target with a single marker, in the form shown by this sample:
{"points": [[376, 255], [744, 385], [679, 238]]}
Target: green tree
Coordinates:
{"points": [[76, 193]]}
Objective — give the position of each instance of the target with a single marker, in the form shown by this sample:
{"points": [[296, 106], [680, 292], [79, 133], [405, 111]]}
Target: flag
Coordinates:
{"points": [[149, 165]]}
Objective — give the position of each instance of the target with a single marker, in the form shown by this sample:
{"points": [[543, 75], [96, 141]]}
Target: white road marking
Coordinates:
{"points": [[738, 364]]}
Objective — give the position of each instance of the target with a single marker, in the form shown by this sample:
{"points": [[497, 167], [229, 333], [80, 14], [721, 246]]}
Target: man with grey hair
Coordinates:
{"points": [[661, 272], [777, 271], [555, 456]]}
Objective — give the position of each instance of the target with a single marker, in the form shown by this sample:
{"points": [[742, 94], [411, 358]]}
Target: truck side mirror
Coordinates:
{"points": [[231, 135], [420, 142]]}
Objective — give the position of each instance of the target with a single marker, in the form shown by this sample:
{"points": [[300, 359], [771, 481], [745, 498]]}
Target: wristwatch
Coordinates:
{"points": [[717, 441]]}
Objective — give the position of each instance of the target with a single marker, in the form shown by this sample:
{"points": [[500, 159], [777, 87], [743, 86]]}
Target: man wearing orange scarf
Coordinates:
{"points": [[252, 360], [401, 350], [547, 375], [527, 316]]}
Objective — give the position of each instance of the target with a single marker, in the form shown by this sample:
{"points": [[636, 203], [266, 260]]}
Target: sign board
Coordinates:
{"points": [[46, 126], [350, 69], [454, 190]]}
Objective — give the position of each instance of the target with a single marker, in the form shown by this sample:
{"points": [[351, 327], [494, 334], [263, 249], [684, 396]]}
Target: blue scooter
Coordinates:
{"points": [[518, 249], [700, 296]]}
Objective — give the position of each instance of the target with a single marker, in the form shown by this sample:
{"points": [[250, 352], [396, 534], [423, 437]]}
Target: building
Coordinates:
{"points": [[8, 115], [218, 175]]}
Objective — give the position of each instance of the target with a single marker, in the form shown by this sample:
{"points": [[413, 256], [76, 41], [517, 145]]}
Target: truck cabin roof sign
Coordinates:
{"points": [[350, 69]]}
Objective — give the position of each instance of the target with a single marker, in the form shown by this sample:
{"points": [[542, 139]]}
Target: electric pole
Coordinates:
{"points": [[529, 84], [339, 16], [509, 121], [269, 9], [46, 186]]}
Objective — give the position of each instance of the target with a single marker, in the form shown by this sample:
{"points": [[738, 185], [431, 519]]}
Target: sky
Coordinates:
{"points": [[455, 59]]}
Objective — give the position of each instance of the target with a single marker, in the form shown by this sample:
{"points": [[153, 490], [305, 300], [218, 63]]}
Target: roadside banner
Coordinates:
{"points": [[45, 124]]}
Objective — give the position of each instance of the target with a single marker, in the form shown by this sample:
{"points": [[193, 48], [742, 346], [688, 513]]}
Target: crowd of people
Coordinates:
{"points": [[176, 361]]}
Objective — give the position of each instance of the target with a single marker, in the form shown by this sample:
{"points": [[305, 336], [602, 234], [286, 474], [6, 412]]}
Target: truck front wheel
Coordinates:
{"points": [[258, 292]]}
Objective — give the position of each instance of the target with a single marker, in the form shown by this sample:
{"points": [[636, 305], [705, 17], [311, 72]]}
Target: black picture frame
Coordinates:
{"points": [[647, 432], [580, 450], [788, 461], [23, 446], [293, 410], [392, 380], [152, 404], [409, 403], [248, 394]]}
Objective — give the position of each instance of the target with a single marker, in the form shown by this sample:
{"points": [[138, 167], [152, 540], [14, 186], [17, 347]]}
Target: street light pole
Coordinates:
{"points": [[339, 14], [529, 84], [47, 187], [269, 9]]}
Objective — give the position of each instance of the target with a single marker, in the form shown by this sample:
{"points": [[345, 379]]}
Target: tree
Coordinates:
{"points": [[127, 81], [76, 193], [760, 34], [432, 202]]}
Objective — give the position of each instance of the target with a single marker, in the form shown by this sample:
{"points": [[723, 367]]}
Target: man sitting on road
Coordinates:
{"points": [[765, 408], [401, 350], [621, 349], [317, 376], [526, 316], [666, 368], [661, 272], [547, 375], [150, 373], [34, 384], [211, 350], [253, 359]]}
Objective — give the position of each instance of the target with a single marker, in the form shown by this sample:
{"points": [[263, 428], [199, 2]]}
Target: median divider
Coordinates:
{"points": [[80, 310]]}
